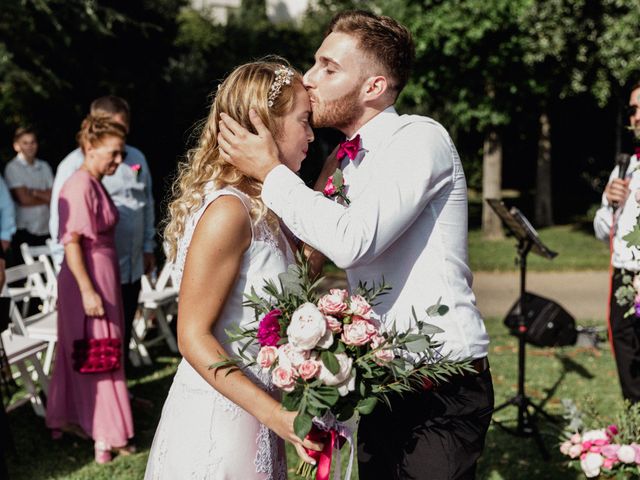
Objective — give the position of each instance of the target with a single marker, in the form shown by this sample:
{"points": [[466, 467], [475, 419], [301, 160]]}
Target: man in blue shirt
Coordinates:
{"points": [[131, 191], [7, 216]]}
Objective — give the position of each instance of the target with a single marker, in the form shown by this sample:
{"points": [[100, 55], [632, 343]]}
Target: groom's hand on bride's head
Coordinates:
{"points": [[254, 154]]}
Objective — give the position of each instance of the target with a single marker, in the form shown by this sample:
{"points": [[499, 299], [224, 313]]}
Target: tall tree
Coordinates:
{"points": [[467, 74]]}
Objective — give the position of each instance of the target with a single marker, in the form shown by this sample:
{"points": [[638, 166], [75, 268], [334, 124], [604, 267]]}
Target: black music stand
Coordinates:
{"points": [[528, 241]]}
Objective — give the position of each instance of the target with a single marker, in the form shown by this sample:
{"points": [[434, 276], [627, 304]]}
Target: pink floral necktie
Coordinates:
{"points": [[349, 148]]}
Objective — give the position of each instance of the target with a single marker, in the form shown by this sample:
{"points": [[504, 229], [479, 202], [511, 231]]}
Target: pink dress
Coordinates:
{"points": [[98, 403]]}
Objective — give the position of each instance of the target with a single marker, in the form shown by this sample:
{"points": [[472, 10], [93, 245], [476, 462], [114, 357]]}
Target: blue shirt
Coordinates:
{"points": [[7, 213], [132, 194]]}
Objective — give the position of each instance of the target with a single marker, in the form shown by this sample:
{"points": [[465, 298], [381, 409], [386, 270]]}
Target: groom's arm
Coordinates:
{"points": [[411, 171]]}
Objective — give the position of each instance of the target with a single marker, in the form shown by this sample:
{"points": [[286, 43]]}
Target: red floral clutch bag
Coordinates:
{"points": [[96, 355]]}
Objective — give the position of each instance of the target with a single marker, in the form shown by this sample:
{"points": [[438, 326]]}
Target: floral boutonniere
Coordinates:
{"points": [[335, 187], [628, 294], [135, 168]]}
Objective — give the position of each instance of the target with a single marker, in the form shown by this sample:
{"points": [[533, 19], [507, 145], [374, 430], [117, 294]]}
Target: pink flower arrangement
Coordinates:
{"points": [[598, 453]]}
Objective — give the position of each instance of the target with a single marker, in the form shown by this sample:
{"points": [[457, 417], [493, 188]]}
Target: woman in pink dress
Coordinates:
{"points": [[96, 404]]}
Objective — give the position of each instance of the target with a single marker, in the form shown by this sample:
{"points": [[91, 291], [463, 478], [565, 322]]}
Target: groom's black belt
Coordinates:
{"points": [[478, 366]]}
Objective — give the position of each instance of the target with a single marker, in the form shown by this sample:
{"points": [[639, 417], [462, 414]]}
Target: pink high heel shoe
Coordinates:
{"points": [[102, 452]]}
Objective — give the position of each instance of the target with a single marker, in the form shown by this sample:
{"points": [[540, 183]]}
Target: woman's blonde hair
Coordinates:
{"points": [[248, 86], [96, 127]]}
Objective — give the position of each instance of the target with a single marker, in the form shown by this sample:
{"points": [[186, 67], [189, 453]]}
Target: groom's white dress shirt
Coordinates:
{"points": [[626, 218], [407, 222]]}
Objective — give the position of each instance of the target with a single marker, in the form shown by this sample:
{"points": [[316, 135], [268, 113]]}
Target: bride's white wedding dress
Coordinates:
{"points": [[202, 434]]}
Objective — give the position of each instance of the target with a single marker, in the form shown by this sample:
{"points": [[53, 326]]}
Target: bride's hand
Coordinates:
{"points": [[281, 422], [329, 168]]}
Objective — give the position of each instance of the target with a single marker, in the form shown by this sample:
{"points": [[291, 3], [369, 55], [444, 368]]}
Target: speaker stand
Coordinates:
{"points": [[527, 410]]}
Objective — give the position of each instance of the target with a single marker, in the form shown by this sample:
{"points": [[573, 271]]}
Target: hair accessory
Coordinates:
{"points": [[283, 77]]}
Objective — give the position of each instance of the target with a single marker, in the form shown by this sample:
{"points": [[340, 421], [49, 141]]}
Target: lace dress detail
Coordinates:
{"points": [[202, 434]]}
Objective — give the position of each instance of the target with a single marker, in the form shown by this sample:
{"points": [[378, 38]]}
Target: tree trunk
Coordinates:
{"points": [[543, 204], [491, 184]]}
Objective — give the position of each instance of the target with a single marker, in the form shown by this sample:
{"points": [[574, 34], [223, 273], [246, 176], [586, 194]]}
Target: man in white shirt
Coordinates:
{"points": [[615, 218], [29, 179], [406, 221]]}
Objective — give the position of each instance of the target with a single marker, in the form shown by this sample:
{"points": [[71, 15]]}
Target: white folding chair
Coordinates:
{"points": [[41, 286], [159, 302], [40, 326], [20, 350]]}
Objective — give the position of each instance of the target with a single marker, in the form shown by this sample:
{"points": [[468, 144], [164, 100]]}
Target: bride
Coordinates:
{"points": [[224, 241]]}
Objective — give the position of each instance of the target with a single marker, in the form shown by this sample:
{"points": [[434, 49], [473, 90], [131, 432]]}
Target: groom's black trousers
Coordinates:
{"points": [[432, 435]]}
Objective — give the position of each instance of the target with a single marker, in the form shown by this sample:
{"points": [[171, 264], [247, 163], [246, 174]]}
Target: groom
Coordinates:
{"points": [[406, 222]]}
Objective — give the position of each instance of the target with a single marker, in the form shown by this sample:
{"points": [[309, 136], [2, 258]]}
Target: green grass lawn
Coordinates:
{"points": [[552, 374], [577, 249]]}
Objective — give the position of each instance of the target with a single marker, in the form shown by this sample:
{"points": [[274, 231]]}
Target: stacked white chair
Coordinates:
{"points": [[158, 301], [22, 351], [40, 326]]}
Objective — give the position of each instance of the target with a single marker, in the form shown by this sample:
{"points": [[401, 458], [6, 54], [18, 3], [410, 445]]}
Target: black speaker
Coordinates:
{"points": [[548, 324]]}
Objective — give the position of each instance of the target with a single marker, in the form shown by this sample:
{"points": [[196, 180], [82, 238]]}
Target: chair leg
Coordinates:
{"points": [[48, 358], [166, 331], [36, 402], [43, 379]]}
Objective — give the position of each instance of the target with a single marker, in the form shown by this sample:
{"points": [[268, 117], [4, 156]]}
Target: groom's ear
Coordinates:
{"points": [[375, 87]]}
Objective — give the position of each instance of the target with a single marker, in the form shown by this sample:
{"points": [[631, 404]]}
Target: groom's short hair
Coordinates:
{"points": [[388, 42]]}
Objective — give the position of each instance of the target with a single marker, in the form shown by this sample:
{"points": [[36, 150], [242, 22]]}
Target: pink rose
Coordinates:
{"points": [[266, 356], [595, 449], [358, 332], [269, 329], [309, 369], [284, 378], [576, 438], [359, 306], [610, 451], [608, 463], [334, 303], [575, 450], [330, 189], [383, 356], [612, 429], [333, 323], [564, 447], [291, 357]]}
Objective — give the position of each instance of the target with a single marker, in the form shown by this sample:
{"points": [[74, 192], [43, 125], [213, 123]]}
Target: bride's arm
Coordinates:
{"points": [[213, 261]]}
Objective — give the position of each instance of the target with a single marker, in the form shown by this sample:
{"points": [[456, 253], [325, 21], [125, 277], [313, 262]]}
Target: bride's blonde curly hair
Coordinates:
{"points": [[248, 86]]}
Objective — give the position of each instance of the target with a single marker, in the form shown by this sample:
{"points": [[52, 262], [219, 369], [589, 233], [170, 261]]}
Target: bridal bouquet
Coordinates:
{"points": [[331, 357], [612, 451]]}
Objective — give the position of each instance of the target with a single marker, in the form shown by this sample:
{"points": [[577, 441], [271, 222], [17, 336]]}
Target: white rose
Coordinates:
{"points": [[591, 464], [627, 454], [593, 435], [345, 379], [307, 327]]}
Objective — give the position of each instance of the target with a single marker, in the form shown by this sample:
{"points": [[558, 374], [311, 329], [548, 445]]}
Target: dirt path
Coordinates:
{"points": [[582, 294]]}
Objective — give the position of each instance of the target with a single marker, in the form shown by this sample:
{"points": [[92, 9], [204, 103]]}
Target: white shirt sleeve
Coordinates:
{"points": [[13, 177], [603, 218], [409, 172]]}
